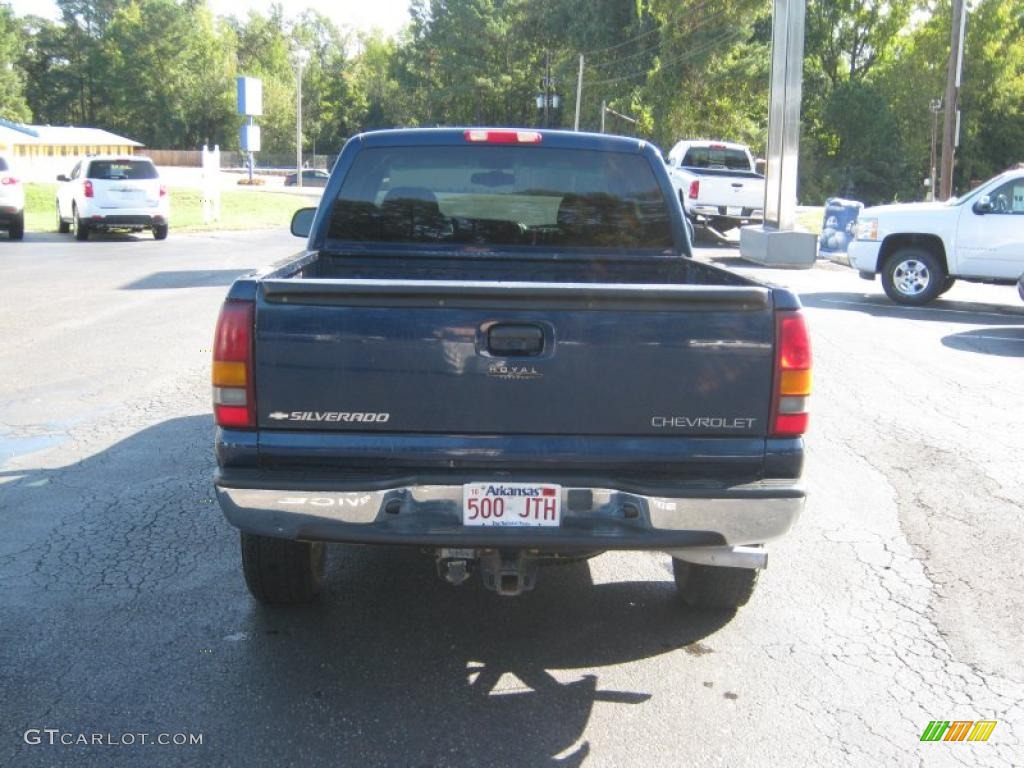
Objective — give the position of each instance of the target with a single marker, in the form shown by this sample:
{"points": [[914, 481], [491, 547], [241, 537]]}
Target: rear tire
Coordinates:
{"points": [[913, 276], [707, 586], [950, 282], [17, 228], [62, 226], [160, 231], [80, 229], [281, 571]]}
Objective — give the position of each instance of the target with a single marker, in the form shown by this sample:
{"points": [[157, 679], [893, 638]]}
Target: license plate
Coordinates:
{"points": [[511, 505], [734, 211]]}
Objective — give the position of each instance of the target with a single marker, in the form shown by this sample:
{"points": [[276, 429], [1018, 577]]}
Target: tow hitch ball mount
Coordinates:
{"points": [[507, 573]]}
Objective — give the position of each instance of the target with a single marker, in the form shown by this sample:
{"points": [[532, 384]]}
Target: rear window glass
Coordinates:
{"points": [[712, 158], [121, 169], [500, 195]]}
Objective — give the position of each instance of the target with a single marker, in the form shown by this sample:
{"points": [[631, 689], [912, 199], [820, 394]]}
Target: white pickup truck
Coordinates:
{"points": [[717, 185], [921, 249]]}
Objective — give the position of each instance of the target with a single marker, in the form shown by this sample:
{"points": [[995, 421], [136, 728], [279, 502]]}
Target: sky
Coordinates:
{"points": [[387, 15]]}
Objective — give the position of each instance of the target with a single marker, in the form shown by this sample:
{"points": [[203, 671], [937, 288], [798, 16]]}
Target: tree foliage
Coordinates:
{"points": [[12, 85], [163, 71]]}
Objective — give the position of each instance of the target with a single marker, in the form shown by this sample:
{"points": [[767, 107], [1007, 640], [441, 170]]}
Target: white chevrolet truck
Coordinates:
{"points": [[717, 184], [922, 249]]}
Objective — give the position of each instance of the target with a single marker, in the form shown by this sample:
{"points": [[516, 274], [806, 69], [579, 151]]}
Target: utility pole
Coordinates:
{"points": [[936, 106], [604, 108], [951, 119], [579, 92]]}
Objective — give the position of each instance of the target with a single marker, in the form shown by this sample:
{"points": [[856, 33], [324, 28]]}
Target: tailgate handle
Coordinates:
{"points": [[512, 340], [737, 184]]}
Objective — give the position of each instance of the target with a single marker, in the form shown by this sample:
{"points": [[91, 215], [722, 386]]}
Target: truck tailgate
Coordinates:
{"points": [[478, 358], [734, 190]]}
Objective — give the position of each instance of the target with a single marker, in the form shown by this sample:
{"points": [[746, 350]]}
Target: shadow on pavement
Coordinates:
{"points": [[1005, 342], [124, 610], [186, 278], [99, 237], [877, 305]]}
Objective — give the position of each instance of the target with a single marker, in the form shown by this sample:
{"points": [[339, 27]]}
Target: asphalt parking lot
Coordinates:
{"points": [[896, 601]]}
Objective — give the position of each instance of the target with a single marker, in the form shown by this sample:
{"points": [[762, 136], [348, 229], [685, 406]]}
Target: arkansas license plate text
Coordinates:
{"points": [[511, 504]]}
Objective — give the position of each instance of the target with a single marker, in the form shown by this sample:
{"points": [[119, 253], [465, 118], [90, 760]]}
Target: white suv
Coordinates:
{"points": [[12, 202], [109, 192]]}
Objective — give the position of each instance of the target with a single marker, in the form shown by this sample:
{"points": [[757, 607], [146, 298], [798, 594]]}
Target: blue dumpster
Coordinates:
{"points": [[839, 225]]}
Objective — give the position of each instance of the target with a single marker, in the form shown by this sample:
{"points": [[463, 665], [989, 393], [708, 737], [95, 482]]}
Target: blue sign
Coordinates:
{"points": [[250, 96], [250, 138]]}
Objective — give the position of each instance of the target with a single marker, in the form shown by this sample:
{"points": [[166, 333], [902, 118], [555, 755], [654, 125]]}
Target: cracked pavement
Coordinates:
{"points": [[895, 601]]}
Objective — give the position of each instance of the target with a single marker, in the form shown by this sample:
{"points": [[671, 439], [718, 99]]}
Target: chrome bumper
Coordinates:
{"points": [[595, 518]]}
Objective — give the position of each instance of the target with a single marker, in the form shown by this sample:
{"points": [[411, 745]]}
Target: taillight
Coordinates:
{"points": [[163, 190], [694, 189], [234, 396], [503, 137], [8, 181], [792, 375], [88, 188]]}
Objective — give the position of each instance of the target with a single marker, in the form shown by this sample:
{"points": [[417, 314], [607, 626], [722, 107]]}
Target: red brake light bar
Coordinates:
{"points": [[792, 376], [234, 393], [8, 181], [502, 137]]}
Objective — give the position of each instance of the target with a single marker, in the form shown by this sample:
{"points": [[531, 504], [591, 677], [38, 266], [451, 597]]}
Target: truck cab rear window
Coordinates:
{"points": [[716, 158], [121, 169], [502, 196]]}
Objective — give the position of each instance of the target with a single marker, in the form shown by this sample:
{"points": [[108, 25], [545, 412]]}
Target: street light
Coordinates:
{"points": [[301, 57]]}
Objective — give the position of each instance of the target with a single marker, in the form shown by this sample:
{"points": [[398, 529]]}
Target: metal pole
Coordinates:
{"points": [[547, 85], [603, 108], [956, 44], [936, 107], [298, 127], [579, 92]]}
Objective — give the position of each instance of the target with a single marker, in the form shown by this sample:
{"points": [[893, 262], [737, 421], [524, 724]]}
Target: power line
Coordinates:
{"points": [[691, 53], [658, 28], [657, 46]]}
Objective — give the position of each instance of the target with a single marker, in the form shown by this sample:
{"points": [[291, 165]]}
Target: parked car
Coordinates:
{"points": [[1020, 286], [717, 184], [12, 201], [922, 249], [106, 192], [310, 178], [497, 347]]}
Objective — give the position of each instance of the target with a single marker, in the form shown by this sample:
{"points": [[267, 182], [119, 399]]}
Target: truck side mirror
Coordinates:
{"points": [[63, 177], [984, 205], [302, 222]]}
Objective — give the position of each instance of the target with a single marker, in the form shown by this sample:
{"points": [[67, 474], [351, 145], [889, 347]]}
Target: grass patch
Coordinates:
{"points": [[239, 209], [40, 210]]}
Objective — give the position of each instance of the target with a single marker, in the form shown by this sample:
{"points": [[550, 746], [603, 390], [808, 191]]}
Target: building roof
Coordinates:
{"points": [[57, 135]]}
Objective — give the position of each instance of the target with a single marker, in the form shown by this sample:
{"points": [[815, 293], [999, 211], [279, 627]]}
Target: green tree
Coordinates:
{"points": [[173, 71], [12, 97]]}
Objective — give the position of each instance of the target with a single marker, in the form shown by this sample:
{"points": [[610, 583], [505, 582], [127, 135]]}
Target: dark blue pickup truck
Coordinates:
{"points": [[496, 347]]}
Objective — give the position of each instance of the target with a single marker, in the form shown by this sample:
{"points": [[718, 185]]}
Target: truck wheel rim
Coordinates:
{"points": [[911, 277]]}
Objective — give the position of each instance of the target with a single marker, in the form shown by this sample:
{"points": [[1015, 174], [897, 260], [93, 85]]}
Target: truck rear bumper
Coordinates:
{"points": [[592, 518]]}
